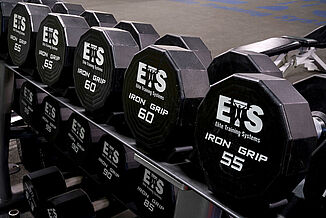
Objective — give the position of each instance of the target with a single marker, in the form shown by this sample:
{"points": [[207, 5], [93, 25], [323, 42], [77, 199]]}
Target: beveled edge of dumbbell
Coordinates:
{"points": [[28, 7], [64, 26], [101, 23], [202, 51], [152, 33]]}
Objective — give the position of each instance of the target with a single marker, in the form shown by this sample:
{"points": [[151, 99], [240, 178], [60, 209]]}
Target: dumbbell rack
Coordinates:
{"points": [[173, 173]]}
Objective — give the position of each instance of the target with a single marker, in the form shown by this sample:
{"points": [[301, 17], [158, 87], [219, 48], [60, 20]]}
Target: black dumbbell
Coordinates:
{"points": [[56, 44], [37, 190], [22, 28], [234, 61], [54, 117], [162, 88], [75, 203], [115, 164], [6, 7], [102, 56], [153, 195], [254, 134], [80, 138], [30, 100]]}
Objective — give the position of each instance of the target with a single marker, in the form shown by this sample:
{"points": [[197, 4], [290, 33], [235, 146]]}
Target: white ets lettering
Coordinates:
{"points": [[50, 35], [151, 77], [152, 181], [93, 53], [111, 152], [19, 22], [232, 111]]}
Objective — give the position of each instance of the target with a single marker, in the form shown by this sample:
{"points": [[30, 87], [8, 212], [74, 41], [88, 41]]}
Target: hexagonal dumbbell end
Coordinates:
{"points": [[114, 162], [30, 99], [233, 61], [23, 26], [188, 42], [67, 8], [143, 33], [56, 43], [102, 55], [162, 88], [80, 136], [98, 18], [252, 144]]}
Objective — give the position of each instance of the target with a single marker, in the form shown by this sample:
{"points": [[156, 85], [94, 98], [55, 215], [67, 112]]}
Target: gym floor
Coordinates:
{"points": [[221, 24]]}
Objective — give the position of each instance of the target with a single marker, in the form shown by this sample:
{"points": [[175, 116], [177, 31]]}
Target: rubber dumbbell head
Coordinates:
{"points": [[54, 116], [252, 144], [80, 137], [154, 196], [102, 56], [234, 61], [30, 100], [114, 163], [23, 26], [37, 190], [163, 86], [75, 203], [56, 43]]}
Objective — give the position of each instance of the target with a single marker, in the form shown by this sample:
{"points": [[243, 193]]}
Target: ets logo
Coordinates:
{"points": [[238, 113], [151, 77], [93, 53], [153, 182], [19, 22], [50, 35]]}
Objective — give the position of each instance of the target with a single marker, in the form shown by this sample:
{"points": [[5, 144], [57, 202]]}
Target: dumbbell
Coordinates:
{"points": [[80, 138], [30, 100], [6, 7], [56, 44], [115, 164], [162, 88], [75, 203], [236, 61], [102, 56], [37, 190], [153, 195], [254, 135], [23, 26], [54, 117]]}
